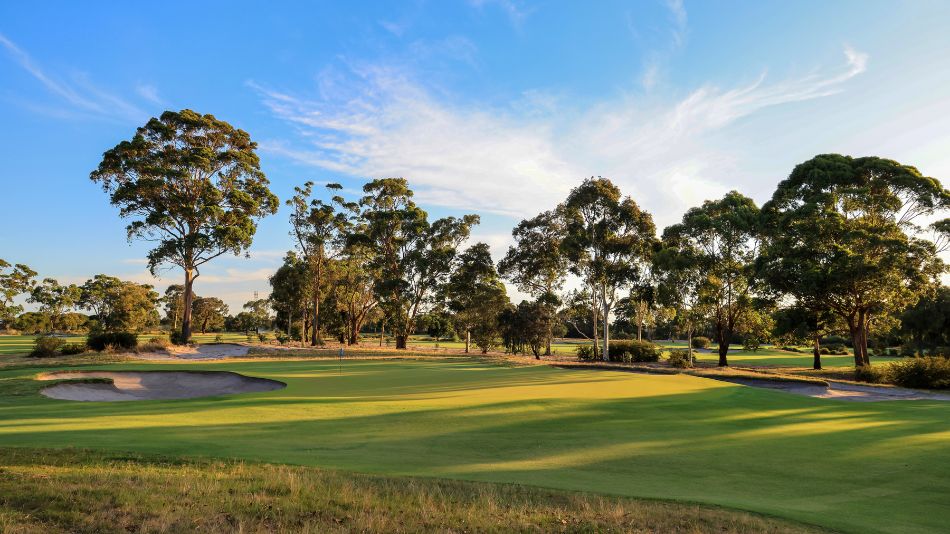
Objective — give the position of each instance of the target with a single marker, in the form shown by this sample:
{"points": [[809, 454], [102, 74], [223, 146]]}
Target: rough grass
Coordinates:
{"points": [[83, 491], [858, 467]]}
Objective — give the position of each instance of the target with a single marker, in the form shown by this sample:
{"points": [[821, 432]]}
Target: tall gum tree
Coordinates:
{"points": [[843, 233], [608, 239], [722, 238], [411, 256], [191, 184], [15, 280], [536, 264]]}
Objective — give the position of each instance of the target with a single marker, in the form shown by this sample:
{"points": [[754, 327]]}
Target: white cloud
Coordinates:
{"points": [[514, 162], [80, 94], [149, 93]]}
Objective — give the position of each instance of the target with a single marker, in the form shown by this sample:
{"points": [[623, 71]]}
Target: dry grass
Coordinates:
{"points": [[81, 491]]}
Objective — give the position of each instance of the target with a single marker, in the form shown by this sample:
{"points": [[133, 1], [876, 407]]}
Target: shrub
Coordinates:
{"points": [[70, 349], [118, 340], [701, 342], [155, 344], [836, 340], [792, 349], [585, 352], [751, 343], [633, 351], [47, 346], [680, 358], [281, 337], [262, 337], [837, 349], [929, 372], [866, 373], [176, 338], [218, 338]]}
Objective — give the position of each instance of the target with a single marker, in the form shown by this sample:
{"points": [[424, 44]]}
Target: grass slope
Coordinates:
{"points": [[68, 491], [861, 467]]}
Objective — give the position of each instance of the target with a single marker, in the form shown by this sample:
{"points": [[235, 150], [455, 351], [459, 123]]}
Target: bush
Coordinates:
{"points": [[701, 342], [155, 344], [47, 346], [837, 349], [281, 337], [866, 373], [262, 337], [792, 349], [837, 340], [175, 338], [929, 372], [119, 340], [680, 358], [751, 343], [218, 338], [585, 352], [633, 351], [70, 349]]}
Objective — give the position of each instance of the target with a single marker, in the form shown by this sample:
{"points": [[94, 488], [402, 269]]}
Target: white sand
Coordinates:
{"points": [[150, 385], [839, 390]]}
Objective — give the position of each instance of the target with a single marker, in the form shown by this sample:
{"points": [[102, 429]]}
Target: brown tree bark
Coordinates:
{"points": [[401, 341], [816, 352], [186, 313]]}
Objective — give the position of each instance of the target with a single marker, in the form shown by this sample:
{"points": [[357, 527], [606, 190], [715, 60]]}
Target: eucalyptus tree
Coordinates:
{"points": [[722, 238], [475, 295], [680, 278], [99, 294], [844, 234], [209, 313], [258, 313], [174, 302], [119, 305], [608, 239], [290, 292], [352, 295], [15, 280], [807, 324], [191, 184], [411, 257], [536, 264], [55, 300], [319, 229]]}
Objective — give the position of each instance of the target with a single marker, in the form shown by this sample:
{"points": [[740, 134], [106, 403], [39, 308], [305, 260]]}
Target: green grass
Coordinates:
{"points": [[24, 344], [859, 467], [68, 491]]}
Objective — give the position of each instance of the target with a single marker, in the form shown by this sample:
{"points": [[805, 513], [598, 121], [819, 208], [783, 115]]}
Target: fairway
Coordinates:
{"points": [[858, 467]]}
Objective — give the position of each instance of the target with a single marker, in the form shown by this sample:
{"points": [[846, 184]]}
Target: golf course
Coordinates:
{"points": [[848, 466]]}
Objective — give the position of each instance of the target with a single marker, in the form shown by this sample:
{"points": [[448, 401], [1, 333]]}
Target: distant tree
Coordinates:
{"points": [[474, 293], [525, 327], [352, 295], [680, 279], [722, 238], [319, 229], [33, 323], [411, 256], [438, 325], [841, 235], [536, 264], [608, 239], [174, 301], [800, 323], [120, 306], [242, 322], [927, 323], [209, 313], [15, 280], [259, 313], [55, 300], [290, 292], [193, 185], [75, 322]]}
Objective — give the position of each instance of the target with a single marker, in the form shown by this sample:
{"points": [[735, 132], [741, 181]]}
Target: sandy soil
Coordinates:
{"points": [[150, 385], [839, 390]]}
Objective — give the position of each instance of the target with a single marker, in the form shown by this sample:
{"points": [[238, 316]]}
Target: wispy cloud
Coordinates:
{"points": [[149, 93], [80, 95], [512, 162], [517, 12]]}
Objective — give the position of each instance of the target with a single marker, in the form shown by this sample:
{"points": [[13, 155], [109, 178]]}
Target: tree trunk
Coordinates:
{"points": [[856, 334], [401, 341], [596, 335], [315, 339], [639, 330], [186, 313], [816, 351], [382, 333], [468, 340], [689, 344], [864, 320], [723, 350], [606, 324]]}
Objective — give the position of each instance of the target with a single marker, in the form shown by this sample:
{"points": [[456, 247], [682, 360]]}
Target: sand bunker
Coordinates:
{"points": [[839, 390], [150, 385], [211, 351]]}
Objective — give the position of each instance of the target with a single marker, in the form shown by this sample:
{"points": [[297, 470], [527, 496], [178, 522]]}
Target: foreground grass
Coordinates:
{"points": [[70, 491], [11, 345], [859, 467]]}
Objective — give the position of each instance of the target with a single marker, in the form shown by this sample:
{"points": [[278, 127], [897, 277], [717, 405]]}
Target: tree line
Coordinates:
{"points": [[844, 244]]}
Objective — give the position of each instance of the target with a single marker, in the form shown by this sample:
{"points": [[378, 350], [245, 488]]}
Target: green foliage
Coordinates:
{"points": [[631, 350], [928, 372], [193, 185], [47, 346], [119, 340], [585, 352], [700, 342], [867, 373], [209, 313], [527, 327], [840, 236], [680, 358], [14, 281], [476, 296], [120, 306], [71, 349], [55, 300]]}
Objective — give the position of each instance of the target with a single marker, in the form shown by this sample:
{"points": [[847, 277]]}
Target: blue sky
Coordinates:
{"points": [[493, 107]]}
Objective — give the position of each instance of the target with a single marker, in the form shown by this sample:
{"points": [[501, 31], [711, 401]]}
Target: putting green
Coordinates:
{"points": [[858, 467]]}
